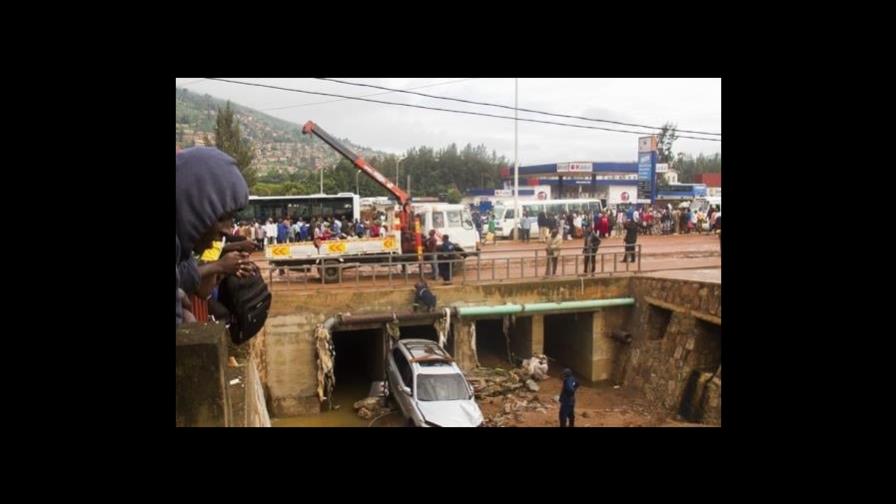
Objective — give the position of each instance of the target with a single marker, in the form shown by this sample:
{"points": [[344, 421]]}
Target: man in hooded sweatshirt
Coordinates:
{"points": [[568, 399], [208, 188]]}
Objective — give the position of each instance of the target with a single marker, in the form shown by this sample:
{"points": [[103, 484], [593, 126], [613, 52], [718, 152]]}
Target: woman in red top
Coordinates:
{"points": [[603, 226]]}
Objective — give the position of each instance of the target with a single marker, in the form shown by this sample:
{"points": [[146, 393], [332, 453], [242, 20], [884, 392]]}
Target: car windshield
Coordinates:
{"points": [[467, 220], [442, 387]]}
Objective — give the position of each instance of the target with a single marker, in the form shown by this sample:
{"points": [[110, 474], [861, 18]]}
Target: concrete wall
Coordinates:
{"points": [[292, 363], [691, 342], [202, 398], [464, 348]]}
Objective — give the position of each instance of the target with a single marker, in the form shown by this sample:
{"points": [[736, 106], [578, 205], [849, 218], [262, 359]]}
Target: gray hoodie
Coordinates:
{"points": [[208, 185]]}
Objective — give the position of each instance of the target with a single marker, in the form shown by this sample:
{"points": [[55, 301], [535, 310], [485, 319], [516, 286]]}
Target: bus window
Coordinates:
{"points": [[438, 220], [508, 214], [301, 210], [247, 214], [454, 220], [533, 210], [555, 209], [575, 207]]}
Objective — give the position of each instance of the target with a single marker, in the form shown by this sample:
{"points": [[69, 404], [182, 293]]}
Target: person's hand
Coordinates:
{"points": [[236, 263], [247, 246]]}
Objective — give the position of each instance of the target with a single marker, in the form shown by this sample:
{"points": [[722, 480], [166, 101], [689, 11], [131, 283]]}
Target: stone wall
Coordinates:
{"points": [[667, 360]]}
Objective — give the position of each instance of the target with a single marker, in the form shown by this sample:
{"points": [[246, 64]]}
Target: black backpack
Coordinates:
{"points": [[248, 301]]}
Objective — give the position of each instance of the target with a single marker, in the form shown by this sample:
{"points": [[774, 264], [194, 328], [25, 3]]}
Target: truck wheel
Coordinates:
{"points": [[329, 273]]}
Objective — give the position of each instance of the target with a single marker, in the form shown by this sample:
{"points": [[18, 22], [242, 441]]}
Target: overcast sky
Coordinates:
{"points": [[694, 104]]}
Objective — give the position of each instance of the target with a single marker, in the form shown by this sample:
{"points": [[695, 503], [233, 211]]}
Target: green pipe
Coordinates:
{"points": [[472, 311], [510, 309]]}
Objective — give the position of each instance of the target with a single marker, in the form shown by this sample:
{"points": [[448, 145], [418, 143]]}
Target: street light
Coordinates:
{"points": [[397, 165]]}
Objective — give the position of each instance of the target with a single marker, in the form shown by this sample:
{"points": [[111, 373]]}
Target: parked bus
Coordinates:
{"points": [[346, 206]]}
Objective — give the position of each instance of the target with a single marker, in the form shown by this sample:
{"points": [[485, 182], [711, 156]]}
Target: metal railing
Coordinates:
{"points": [[389, 269]]}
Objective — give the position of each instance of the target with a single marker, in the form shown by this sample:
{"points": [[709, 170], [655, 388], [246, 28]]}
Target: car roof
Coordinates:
{"points": [[424, 350]]}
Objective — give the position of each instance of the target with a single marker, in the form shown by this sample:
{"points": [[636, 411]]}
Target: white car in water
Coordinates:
{"points": [[429, 388]]}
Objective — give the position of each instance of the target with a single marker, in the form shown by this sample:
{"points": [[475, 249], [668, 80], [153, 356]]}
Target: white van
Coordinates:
{"points": [[451, 219], [703, 204], [504, 218]]}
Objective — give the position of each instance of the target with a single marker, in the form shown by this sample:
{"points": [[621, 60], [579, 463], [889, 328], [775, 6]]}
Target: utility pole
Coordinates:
{"points": [[516, 161]]}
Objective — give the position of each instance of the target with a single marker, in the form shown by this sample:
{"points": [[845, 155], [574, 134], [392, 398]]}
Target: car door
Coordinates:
{"points": [[393, 373], [400, 380]]}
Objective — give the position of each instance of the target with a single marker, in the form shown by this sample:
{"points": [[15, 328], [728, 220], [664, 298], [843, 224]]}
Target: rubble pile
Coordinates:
{"points": [[371, 407], [515, 389]]}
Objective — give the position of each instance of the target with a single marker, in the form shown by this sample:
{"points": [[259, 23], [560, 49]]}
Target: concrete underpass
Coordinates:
{"points": [[669, 369]]}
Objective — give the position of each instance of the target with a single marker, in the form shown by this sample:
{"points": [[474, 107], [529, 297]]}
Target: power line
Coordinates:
{"points": [[193, 82], [511, 108], [362, 96], [448, 110]]}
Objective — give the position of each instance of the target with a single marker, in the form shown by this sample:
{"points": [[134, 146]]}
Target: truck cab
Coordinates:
{"points": [[451, 219]]}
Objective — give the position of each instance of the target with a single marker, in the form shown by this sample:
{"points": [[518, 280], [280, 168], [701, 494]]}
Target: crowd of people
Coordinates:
{"points": [[573, 225], [292, 230]]}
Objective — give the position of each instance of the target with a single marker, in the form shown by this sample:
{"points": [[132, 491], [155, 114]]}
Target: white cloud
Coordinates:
{"points": [[693, 104]]}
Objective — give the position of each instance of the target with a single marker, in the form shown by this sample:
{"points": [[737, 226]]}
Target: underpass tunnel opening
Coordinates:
{"points": [[705, 362], [357, 364], [491, 346], [425, 331], [567, 340], [707, 346]]}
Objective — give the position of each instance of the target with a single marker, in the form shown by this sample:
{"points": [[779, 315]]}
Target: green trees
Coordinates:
{"points": [[688, 166], [664, 143], [229, 139]]}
